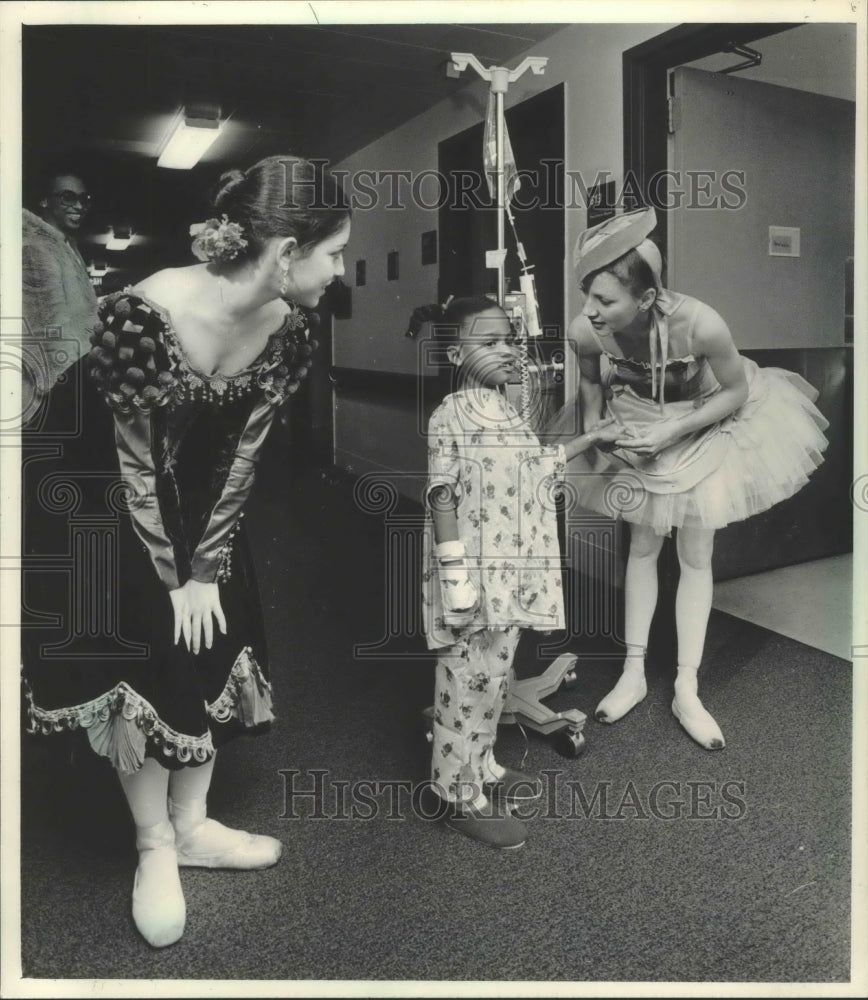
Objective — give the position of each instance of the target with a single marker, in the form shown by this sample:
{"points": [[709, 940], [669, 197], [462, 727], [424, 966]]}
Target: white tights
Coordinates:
{"points": [[149, 789], [692, 609]]}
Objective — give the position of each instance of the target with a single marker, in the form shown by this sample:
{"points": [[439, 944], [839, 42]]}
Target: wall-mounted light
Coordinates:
{"points": [[120, 238], [96, 272], [192, 135]]}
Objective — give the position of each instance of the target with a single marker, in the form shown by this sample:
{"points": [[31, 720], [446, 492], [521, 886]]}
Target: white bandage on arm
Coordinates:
{"points": [[457, 587]]}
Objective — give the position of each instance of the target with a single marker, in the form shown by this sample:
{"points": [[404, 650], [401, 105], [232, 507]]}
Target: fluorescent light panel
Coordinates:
{"points": [[189, 142], [120, 239]]}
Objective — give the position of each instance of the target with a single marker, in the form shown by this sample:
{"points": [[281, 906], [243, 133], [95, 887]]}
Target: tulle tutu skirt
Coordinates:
{"points": [[758, 456]]}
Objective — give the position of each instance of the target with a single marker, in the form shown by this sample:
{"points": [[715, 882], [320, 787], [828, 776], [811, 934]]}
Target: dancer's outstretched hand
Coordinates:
{"points": [[195, 605], [651, 438]]}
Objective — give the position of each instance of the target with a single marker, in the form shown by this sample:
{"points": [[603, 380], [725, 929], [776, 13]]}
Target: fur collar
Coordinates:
{"points": [[36, 229]]}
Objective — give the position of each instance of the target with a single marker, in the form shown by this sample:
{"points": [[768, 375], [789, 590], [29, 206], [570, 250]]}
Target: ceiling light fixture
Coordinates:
{"points": [[120, 238], [192, 135]]}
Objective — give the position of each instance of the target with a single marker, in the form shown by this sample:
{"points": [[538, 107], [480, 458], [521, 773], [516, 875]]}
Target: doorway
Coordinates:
{"points": [[645, 95], [308, 422], [468, 221], [816, 522]]}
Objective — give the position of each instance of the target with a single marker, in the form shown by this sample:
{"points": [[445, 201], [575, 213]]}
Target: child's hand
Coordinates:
{"points": [[457, 587], [607, 432], [604, 434]]}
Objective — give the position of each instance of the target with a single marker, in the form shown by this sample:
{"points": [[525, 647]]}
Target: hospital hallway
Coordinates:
{"points": [[649, 858]]}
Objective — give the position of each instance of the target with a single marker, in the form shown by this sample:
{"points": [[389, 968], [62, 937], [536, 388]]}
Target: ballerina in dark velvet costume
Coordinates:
{"points": [[160, 654]]}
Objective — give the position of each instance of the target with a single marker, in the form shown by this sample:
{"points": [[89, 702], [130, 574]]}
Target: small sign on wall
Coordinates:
{"points": [[784, 241], [601, 203]]}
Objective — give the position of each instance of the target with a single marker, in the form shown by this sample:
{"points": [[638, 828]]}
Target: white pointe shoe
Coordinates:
{"points": [[690, 712], [625, 695], [212, 845], [159, 910]]}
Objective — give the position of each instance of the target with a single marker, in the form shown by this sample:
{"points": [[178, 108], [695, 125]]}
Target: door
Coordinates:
{"points": [[308, 421], [762, 188], [781, 158]]}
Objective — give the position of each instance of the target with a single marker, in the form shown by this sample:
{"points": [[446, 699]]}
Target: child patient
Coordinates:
{"points": [[492, 564]]}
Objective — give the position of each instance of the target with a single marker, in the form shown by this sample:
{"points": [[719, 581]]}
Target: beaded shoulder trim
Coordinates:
{"points": [[128, 362], [139, 363]]}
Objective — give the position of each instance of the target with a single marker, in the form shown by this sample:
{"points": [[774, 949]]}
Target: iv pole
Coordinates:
{"points": [[524, 699], [499, 79]]}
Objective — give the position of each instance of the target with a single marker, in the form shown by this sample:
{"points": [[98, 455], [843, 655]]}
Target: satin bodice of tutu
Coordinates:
{"points": [[684, 376]]}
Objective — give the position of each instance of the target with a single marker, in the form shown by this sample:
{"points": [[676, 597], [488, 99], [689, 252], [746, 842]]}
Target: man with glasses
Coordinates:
{"points": [[58, 297]]}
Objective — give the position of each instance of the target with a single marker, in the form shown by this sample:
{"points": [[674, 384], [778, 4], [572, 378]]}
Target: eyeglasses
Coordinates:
{"points": [[70, 198]]}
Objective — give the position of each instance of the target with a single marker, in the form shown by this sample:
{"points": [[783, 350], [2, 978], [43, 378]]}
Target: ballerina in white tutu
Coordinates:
{"points": [[708, 438]]}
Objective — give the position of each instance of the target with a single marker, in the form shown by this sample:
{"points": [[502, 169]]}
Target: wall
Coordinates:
{"points": [[586, 58]]}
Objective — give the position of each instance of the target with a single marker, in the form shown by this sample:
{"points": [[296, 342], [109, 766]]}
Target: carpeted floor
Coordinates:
{"points": [[651, 860]]}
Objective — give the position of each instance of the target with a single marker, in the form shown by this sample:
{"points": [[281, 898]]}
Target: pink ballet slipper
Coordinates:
{"points": [[690, 712], [205, 843], [624, 696], [159, 910]]}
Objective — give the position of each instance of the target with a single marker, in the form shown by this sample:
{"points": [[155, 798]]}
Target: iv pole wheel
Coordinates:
{"points": [[428, 723], [569, 743]]}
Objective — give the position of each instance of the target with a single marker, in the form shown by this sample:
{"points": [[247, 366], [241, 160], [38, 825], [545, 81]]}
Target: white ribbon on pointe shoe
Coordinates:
{"points": [[698, 722], [159, 910], [624, 696], [212, 845]]}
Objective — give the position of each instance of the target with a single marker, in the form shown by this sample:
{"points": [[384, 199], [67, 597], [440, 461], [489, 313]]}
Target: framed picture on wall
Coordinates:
{"points": [[392, 266], [429, 247]]}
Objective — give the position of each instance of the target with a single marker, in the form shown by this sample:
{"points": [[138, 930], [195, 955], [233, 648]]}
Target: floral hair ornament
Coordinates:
{"points": [[217, 239]]}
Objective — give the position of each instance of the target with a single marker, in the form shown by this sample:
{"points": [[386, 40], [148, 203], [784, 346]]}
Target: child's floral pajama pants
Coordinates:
{"points": [[471, 681]]}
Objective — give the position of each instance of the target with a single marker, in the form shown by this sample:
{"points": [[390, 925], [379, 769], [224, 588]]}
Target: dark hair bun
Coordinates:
{"points": [[228, 187], [280, 196], [422, 315]]}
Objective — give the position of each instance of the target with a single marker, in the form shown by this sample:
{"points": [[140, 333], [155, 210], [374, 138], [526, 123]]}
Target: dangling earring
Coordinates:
{"points": [[284, 283]]}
